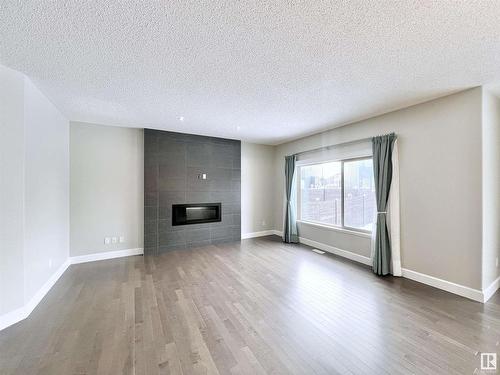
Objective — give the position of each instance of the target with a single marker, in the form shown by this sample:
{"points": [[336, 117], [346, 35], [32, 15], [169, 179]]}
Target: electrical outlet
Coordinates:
{"points": [[496, 262], [50, 263], [107, 240], [122, 239], [114, 240], [263, 223]]}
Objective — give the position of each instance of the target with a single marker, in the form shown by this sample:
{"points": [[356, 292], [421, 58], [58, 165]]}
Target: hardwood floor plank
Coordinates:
{"points": [[252, 307]]}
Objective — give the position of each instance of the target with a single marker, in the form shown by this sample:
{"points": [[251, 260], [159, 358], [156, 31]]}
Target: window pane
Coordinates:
{"points": [[359, 194], [321, 193]]}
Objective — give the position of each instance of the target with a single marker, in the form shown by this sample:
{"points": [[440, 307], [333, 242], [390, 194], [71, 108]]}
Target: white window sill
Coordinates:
{"points": [[336, 229]]}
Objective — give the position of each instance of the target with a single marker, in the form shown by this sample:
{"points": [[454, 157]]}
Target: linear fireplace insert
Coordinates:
{"points": [[195, 213]]}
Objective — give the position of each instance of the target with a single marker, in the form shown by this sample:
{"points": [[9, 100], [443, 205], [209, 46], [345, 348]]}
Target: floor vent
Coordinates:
{"points": [[318, 251]]}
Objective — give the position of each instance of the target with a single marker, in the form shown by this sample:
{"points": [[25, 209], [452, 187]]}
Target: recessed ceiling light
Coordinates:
{"points": [[238, 128], [181, 118]]}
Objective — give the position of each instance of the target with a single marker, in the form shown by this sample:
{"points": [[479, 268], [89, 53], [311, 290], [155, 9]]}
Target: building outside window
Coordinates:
{"points": [[338, 193]]}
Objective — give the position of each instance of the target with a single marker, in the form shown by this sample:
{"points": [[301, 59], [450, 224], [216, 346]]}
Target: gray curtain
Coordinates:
{"points": [[382, 170], [290, 232]]}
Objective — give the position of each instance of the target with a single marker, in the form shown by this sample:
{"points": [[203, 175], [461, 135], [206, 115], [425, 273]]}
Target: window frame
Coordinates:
{"points": [[298, 170]]}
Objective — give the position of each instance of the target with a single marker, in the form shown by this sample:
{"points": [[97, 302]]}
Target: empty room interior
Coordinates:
{"points": [[264, 187]]}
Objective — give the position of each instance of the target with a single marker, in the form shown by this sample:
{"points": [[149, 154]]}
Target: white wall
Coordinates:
{"points": [[441, 188], [46, 245], [491, 187], [11, 190], [257, 188], [34, 194], [107, 188]]}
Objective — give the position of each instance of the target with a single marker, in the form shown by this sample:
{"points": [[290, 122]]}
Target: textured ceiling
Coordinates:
{"points": [[263, 71]]}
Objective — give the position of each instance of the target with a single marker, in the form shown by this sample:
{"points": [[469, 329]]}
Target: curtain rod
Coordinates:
{"points": [[340, 144]]}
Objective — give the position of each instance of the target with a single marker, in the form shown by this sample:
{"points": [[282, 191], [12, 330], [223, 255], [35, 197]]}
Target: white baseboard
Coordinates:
{"points": [[334, 250], [263, 233], [330, 249], [107, 255], [489, 291], [458, 289], [35, 300], [23, 312], [461, 290], [12, 317], [257, 234]]}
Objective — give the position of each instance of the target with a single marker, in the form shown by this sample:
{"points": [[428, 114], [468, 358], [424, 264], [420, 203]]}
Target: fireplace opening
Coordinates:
{"points": [[195, 213]]}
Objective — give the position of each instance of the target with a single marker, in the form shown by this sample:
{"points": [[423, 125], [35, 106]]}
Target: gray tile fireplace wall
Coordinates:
{"points": [[173, 163]]}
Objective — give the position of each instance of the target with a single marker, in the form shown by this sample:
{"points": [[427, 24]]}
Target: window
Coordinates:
{"points": [[359, 194], [321, 193], [339, 193]]}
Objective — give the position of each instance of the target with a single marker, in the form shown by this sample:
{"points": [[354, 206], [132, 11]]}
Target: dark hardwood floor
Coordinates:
{"points": [[255, 307]]}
